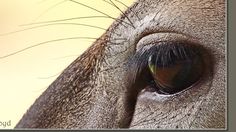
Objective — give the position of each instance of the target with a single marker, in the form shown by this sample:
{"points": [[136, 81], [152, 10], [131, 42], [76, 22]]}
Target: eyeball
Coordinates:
{"points": [[175, 67]]}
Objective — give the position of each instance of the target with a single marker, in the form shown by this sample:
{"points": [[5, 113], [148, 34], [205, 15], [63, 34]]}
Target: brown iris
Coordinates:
{"points": [[175, 68]]}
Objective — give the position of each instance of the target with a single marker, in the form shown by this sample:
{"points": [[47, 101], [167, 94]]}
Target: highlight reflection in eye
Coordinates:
{"points": [[175, 67]]}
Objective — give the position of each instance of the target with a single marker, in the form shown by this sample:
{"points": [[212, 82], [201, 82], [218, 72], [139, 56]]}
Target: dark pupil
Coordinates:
{"points": [[175, 67]]}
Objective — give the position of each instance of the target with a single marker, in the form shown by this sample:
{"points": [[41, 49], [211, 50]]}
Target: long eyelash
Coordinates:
{"points": [[165, 54]]}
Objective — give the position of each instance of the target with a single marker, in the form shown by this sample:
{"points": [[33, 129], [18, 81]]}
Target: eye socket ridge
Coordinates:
{"points": [[170, 67]]}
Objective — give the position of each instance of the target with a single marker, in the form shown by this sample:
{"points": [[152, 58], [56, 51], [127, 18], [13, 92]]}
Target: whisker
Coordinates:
{"points": [[68, 56], [99, 12], [66, 19], [41, 89], [123, 13], [113, 4], [46, 25], [129, 9], [50, 8], [43, 43], [113, 43], [51, 41], [50, 76]]}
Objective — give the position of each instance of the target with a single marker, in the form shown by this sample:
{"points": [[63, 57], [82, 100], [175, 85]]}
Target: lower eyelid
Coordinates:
{"points": [[146, 94], [149, 93]]}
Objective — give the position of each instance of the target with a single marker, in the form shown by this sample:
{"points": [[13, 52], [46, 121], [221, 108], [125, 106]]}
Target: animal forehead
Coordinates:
{"points": [[198, 18], [197, 9], [179, 3]]}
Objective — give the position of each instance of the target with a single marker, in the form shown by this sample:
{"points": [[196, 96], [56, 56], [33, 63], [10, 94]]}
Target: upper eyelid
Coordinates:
{"points": [[159, 37]]}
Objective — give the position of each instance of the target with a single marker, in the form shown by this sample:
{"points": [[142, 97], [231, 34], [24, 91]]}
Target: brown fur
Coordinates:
{"points": [[93, 92]]}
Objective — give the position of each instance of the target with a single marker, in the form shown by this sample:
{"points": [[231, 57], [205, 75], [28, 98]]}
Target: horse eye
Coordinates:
{"points": [[175, 67]]}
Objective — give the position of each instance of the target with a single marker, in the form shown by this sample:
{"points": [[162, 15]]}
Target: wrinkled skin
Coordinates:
{"points": [[101, 89]]}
